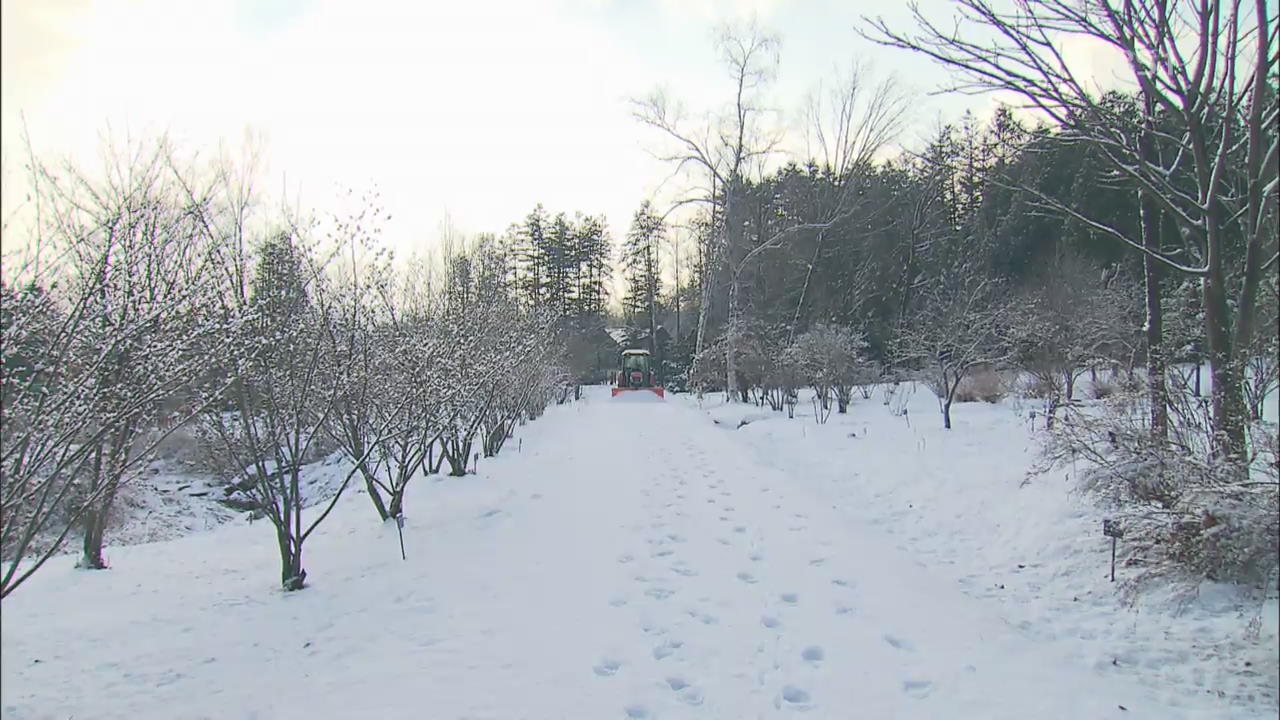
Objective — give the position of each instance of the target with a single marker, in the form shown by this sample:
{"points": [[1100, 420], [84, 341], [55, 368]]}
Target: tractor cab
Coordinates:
{"points": [[636, 374]]}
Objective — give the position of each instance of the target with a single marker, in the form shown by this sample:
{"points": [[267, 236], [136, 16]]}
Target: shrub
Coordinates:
{"points": [[984, 385], [1187, 515], [1102, 389]]}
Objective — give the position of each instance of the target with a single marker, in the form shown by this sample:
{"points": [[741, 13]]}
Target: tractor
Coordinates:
{"points": [[636, 375]]}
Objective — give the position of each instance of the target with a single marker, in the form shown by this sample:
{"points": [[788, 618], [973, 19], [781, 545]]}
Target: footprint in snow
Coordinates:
{"points": [[536, 496], [618, 601], [659, 593], [844, 610], [636, 712], [770, 621], [691, 696], [607, 667], [662, 553], [724, 541], [747, 578], [756, 556], [739, 528], [790, 598], [794, 698], [724, 518], [818, 562], [489, 513], [917, 688], [667, 649], [684, 570], [625, 558], [687, 693], [841, 582], [813, 654], [675, 537], [899, 643]]}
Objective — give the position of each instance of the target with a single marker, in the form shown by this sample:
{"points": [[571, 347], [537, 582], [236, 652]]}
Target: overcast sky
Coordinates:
{"points": [[475, 108]]}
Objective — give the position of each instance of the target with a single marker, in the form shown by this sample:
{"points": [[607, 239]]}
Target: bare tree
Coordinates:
{"points": [[285, 385], [1205, 67], [99, 344], [1066, 324], [383, 418], [847, 126], [723, 151], [957, 325]]}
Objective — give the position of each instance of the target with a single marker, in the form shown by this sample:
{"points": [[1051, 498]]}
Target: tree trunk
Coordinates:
{"points": [[374, 494], [1227, 392], [1157, 367], [95, 517], [292, 576], [731, 340], [95, 520], [397, 502], [704, 306]]}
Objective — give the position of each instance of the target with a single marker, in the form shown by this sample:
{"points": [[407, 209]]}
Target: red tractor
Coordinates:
{"points": [[636, 375]]}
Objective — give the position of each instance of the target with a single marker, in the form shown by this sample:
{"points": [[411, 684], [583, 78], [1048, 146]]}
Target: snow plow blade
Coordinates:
{"points": [[637, 393]]}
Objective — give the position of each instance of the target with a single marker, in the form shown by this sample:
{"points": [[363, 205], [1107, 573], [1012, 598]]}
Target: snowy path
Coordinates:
{"points": [[631, 561]]}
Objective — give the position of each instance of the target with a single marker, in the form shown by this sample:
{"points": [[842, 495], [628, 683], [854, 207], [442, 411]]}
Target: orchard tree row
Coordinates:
{"points": [[159, 296]]}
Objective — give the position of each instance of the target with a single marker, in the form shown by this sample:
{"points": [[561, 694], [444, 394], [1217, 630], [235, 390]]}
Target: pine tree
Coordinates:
{"points": [[641, 268]]}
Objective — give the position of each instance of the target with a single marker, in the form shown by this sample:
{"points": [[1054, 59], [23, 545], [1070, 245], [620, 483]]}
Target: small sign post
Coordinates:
{"points": [[1112, 529], [400, 530]]}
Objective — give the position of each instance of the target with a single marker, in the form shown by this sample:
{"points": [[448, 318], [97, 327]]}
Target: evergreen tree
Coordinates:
{"points": [[641, 268]]}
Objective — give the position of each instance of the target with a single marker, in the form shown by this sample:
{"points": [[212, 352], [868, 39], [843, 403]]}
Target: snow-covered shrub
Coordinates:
{"points": [[1102, 389], [830, 358], [1185, 516], [707, 372], [1185, 510], [983, 386]]}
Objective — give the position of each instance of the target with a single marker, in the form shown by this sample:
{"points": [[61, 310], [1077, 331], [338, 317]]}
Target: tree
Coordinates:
{"points": [[641, 268], [1066, 322], [286, 383], [99, 344], [1205, 67], [957, 325], [723, 151]]}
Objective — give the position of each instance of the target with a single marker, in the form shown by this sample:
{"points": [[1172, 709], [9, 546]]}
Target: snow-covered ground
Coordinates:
{"points": [[640, 560]]}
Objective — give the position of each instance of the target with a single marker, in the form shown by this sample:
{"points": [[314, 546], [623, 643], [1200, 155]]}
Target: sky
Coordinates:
{"points": [[472, 110]]}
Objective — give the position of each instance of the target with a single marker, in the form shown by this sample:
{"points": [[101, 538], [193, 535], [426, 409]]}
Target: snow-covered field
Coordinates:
{"points": [[626, 559]]}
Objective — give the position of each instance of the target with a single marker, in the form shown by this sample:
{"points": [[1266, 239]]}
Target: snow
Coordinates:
{"points": [[639, 560]]}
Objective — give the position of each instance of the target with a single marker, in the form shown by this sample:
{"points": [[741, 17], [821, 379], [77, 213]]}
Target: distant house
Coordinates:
{"points": [[637, 338]]}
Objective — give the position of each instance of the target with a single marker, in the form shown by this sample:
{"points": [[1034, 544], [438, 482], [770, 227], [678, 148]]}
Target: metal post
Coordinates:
{"points": [[1113, 559], [400, 530]]}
